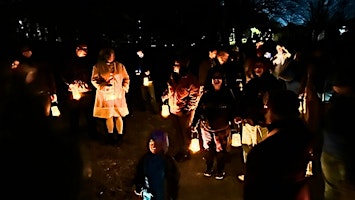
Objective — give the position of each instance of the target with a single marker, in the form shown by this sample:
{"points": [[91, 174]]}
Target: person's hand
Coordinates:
{"points": [[54, 98], [164, 99], [138, 194], [15, 64], [126, 88], [193, 129], [237, 120], [103, 84]]}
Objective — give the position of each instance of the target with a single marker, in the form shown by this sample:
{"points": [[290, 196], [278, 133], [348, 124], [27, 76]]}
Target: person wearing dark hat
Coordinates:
{"points": [[276, 167], [337, 161], [157, 175]]}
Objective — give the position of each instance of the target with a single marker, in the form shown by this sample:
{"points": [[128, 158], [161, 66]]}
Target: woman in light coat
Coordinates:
{"points": [[111, 81]]}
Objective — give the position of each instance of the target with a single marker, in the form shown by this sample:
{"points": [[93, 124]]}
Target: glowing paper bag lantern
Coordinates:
{"points": [[165, 112], [145, 81], [194, 145], [236, 140], [76, 94], [55, 111]]}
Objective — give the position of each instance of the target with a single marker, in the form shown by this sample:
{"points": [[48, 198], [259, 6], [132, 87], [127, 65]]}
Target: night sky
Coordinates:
{"points": [[183, 18]]}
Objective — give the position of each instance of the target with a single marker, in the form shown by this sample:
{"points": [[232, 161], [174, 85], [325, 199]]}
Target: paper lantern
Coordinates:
{"points": [[55, 111], [194, 145], [236, 140], [76, 94], [165, 112], [145, 81]]}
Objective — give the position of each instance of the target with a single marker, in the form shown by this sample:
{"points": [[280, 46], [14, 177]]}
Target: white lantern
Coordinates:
{"points": [[195, 142], [194, 145], [55, 111], [236, 140], [76, 94], [165, 112], [145, 81]]}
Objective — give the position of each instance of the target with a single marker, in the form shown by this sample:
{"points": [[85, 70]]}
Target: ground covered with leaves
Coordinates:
{"points": [[109, 169]]}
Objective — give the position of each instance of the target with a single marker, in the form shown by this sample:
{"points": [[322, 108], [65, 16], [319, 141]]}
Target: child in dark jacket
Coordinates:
{"points": [[157, 174]]}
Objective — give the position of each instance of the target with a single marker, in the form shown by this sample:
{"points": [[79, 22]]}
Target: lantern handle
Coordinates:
{"points": [[194, 132]]}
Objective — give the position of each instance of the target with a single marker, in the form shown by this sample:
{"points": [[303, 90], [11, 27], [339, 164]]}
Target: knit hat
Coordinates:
{"points": [[161, 139]]}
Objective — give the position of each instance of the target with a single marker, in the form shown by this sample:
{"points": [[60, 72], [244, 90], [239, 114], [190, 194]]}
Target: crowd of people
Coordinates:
{"points": [[275, 102]]}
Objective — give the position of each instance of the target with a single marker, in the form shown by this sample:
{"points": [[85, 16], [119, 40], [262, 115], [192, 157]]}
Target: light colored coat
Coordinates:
{"points": [[110, 101]]}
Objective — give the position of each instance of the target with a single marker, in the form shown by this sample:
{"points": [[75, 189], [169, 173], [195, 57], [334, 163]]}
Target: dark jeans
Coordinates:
{"points": [[78, 108], [216, 145], [182, 138]]}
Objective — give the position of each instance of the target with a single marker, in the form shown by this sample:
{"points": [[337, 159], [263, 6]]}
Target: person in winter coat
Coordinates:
{"points": [[182, 95], [216, 110], [79, 94], [157, 175], [111, 81], [276, 167]]}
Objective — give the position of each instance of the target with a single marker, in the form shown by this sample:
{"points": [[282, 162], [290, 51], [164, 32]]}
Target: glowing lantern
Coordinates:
{"points": [[195, 142], [76, 94], [165, 112], [195, 145], [236, 140], [55, 111], [145, 81], [76, 88]]}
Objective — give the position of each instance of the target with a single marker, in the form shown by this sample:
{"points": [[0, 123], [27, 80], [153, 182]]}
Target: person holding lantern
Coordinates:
{"points": [[276, 167], [146, 84], [182, 97], [79, 91], [111, 80], [31, 71], [215, 112]]}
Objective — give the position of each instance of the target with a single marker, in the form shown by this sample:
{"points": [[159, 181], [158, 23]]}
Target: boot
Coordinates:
{"points": [[117, 139], [109, 139]]}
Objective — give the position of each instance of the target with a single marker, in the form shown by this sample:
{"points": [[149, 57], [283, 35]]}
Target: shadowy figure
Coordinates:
{"points": [[145, 82], [37, 161], [337, 161], [79, 93], [276, 167], [36, 73]]}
